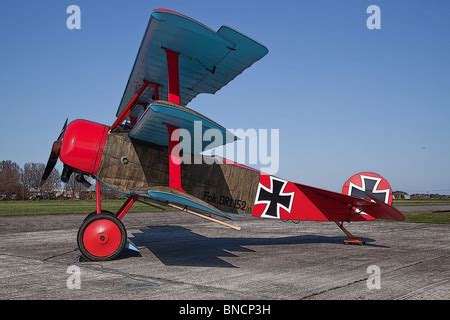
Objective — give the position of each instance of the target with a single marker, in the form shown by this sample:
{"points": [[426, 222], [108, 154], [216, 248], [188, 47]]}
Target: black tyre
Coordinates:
{"points": [[95, 212]]}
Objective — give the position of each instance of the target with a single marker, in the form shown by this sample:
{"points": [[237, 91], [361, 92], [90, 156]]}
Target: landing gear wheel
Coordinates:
{"points": [[101, 237]]}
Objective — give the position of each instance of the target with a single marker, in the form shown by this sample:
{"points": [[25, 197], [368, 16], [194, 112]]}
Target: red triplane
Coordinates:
{"points": [[178, 59]]}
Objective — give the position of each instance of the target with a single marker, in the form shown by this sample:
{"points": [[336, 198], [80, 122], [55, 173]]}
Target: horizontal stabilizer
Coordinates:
{"points": [[383, 211], [325, 200]]}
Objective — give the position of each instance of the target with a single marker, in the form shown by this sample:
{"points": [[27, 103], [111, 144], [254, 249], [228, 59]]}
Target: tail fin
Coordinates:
{"points": [[368, 185]]}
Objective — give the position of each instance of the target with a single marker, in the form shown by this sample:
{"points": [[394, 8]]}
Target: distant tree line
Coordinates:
{"points": [[419, 196], [24, 183]]}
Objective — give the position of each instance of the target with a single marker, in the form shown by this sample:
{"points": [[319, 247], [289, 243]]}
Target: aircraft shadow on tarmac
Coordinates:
{"points": [[179, 246]]}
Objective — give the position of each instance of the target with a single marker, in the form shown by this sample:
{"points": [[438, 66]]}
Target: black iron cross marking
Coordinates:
{"points": [[369, 186], [274, 198]]}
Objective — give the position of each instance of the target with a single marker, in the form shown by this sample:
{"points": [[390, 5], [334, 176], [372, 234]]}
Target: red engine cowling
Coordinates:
{"points": [[82, 145]]}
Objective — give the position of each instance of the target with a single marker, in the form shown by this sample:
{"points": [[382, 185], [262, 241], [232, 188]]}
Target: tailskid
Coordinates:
{"points": [[351, 239]]}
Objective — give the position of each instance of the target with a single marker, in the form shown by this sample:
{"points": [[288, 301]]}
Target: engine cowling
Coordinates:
{"points": [[82, 145]]}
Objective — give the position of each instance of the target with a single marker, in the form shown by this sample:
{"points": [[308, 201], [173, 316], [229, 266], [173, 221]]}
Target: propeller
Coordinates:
{"points": [[54, 154]]}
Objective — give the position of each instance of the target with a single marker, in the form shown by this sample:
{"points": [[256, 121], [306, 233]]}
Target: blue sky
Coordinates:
{"points": [[345, 98]]}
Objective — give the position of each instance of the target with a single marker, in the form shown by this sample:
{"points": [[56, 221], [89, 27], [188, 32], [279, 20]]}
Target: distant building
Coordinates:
{"points": [[401, 195], [37, 194], [6, 197]]}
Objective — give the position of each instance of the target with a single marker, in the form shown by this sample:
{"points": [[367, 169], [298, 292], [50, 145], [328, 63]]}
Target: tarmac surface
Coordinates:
{"points": [[184, 257]]}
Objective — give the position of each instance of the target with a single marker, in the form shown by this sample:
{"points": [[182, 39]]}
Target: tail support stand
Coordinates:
{"points": [[351, 239]]}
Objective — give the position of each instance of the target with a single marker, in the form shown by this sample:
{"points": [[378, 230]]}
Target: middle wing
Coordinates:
{"points": [[151, 126]]}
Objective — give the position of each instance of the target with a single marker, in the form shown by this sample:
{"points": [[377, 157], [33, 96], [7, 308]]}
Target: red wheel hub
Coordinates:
{"points": [[102, 238]]}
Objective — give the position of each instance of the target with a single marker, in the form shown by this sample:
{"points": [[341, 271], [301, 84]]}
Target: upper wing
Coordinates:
{"points": [[208, 60]]}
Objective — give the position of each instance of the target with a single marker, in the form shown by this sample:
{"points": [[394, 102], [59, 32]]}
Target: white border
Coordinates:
{"points": [[279, 205], [363, 188]]}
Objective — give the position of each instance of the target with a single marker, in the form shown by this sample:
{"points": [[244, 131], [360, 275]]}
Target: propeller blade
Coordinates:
{"points": [[62, 130], [51, 163], [54, 154]]}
